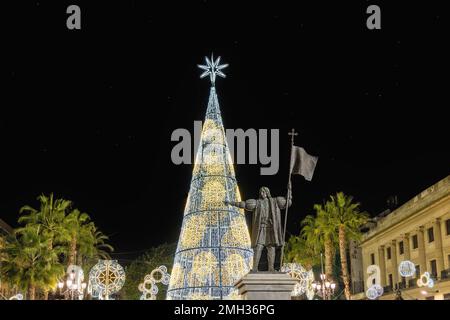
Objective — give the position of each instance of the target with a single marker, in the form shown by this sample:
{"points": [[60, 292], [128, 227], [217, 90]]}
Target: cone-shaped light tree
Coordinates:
{"points": [[214, 249]]}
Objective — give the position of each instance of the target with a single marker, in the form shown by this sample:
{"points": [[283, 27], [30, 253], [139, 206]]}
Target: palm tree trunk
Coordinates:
{"points": [[45, 294], [328, 258], [343, 254], [79, 259], [32, 292], [73, 251]]}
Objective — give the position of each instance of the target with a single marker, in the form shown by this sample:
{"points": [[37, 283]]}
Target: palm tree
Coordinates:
{"points": [[29, 264], [348, 220], [77, 225], [71, 236], [92, 245], [100, 246], [300, 251], [50, 221], [319, 233], [50, 217]]}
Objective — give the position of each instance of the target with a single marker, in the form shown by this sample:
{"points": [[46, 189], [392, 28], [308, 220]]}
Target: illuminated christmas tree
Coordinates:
{"points": [[214, 246]]}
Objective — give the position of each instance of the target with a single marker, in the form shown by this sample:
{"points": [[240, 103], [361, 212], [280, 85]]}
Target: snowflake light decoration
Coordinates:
{"points": [[214, 247], [406, 268], [305, 279], [149, 288], [106, 277]]}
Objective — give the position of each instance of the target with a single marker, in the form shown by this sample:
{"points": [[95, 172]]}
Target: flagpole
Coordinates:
{"points": [[288, 197]]}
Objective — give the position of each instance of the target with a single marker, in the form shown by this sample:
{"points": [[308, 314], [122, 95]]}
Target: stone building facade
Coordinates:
{"points": [[418, 231]]}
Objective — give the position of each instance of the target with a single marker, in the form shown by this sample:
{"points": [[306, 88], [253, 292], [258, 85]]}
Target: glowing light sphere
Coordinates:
{"points": [[149, 288], [214, 247], [305, 279], [372, 293], [106, 277], [406, 268]]}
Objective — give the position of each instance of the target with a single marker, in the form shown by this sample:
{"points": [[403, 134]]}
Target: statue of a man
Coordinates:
{"points": [[266, 224]]}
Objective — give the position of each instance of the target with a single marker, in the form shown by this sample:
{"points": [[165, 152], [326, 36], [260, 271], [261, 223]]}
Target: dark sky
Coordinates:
{"points": [[88, 114]]}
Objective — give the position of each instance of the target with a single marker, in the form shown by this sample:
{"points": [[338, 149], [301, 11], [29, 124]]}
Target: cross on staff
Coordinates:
{"points": [[292, 134]]}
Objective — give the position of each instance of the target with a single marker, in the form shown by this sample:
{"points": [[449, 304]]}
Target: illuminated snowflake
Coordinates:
{"points": [[106, 277]]}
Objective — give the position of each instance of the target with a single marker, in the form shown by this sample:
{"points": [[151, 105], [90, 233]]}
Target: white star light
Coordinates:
{"points": [[212, 68]]}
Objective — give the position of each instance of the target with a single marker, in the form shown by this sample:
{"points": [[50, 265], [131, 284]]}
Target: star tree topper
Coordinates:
{"points": [[212, 68]]}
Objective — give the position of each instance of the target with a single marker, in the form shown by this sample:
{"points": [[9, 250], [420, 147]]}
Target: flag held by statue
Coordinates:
{"points": [[302, 163]]}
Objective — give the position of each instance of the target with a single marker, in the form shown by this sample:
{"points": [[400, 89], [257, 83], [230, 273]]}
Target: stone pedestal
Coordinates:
{"points": [[266, 286]]}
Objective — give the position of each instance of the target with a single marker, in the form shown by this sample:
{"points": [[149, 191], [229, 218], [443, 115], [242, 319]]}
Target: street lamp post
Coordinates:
{"points": [[325, 287], [71, 288]]}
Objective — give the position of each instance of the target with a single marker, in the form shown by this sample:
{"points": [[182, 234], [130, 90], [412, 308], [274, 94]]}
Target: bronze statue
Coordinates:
{"points": [[266, 224]]}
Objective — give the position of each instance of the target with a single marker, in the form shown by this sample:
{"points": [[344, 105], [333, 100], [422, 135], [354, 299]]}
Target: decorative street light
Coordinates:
{"points": [[72, 288], [325, 287]]}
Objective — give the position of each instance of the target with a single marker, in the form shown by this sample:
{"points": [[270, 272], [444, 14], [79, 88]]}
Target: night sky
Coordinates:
{"points": [[88, 114]]}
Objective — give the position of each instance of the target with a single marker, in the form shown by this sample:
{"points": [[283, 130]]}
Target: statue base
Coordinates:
{"points": [[265, 286]]}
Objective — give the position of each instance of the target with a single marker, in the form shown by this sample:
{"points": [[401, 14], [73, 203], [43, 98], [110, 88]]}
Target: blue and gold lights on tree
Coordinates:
{"points": [[214, 246]]}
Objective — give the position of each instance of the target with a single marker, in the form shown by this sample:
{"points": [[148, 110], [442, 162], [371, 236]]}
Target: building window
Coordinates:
{"points": [[429, 298], [388, 252], [447, 226], [447, 296], [415, 242], [372, 258], [430, 235], [401, 249], [391, 281], [418, 271], [433, 268]]}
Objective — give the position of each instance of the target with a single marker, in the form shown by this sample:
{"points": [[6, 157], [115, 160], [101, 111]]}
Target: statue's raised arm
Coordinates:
{"points": [[248, 205]]}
